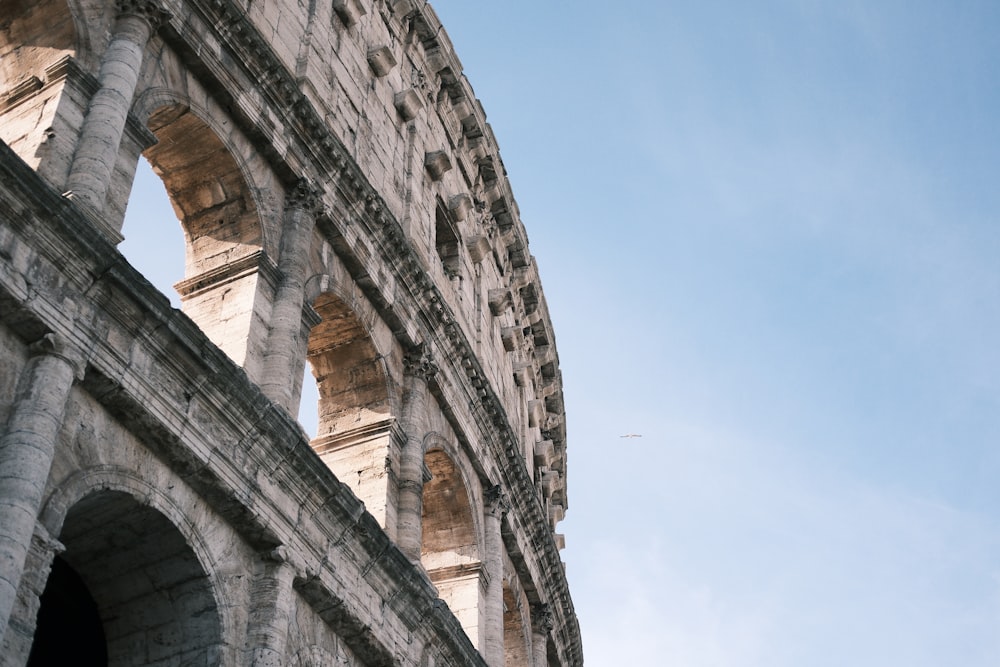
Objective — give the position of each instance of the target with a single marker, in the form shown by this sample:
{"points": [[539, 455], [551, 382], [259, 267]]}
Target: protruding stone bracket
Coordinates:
{"points": [[408, 103], [549, 482], [544, 451], [404, 8], [478, 247], [460, 206], [536, 409], [500, 300], [381, 60], [438, 164], [511, 337], [349, 11], [556, 513]]}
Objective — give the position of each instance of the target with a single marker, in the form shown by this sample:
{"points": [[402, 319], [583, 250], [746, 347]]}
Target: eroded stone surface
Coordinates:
{"points": [[345, 210]]}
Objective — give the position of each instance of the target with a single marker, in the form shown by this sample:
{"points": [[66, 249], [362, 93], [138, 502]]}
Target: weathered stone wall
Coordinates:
{"points": [[345, 208]]}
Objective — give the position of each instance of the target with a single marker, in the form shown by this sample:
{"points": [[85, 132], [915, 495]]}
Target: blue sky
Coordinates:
{"points": [[768, 236]]}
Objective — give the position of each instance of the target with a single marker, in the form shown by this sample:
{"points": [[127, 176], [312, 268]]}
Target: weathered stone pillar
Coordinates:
{"points": [[418, 369], [541, 625], [104, 124], [270, 607], [286, 346], [26, 451], [20, 634], [497, 505]]}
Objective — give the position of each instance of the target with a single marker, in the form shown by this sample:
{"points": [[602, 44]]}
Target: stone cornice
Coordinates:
{"points": [[251, 442], [320, 155]]}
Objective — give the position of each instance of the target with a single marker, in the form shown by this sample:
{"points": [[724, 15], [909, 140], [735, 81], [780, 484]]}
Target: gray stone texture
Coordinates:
{"points": [[345, 210]]}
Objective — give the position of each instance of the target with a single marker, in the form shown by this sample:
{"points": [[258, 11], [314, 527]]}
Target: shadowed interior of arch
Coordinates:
{"points": [[450, 547], [350, 376], [222, 239], [145, 581]]}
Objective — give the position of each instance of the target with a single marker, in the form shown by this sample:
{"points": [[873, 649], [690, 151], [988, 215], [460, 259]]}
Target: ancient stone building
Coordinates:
{"points": [[345, 210]]}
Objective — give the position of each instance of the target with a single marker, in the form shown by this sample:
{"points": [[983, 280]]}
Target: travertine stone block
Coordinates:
{"points": [[381, 60], [408, 103], [437, 164]]}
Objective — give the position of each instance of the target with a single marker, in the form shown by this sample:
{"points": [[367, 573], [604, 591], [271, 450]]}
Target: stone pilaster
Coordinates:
{"points": [[497, 504], [418, 369], [286, 344], [270, 609], [541, 626], [24, 618], [26, 451], [104, 124]]}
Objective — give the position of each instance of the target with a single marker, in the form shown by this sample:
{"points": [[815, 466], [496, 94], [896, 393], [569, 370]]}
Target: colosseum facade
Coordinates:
{"points": [[345, 210]]}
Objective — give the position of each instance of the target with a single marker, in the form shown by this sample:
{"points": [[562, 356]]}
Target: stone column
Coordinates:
{"points": [[497, 505], [104, 124], [418, 369], [270, 607], [26, 451], [285, 343], [24, 619], [541, 625]]}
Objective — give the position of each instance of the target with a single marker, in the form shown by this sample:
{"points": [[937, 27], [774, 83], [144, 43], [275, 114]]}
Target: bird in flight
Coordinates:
{"points": [[631, 435]]}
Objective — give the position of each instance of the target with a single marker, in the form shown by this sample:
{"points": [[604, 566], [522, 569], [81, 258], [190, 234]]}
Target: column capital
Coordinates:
{"points": [[418, 363], [303, 195], [541, 618], [55, 345], [150, 11], [497, 502]]}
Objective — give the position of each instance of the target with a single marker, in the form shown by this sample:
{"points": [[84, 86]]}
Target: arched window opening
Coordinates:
{"points": [[450, 548], [220, 286], [354, 414], [516, 629], [153, 599], [446, 241], [154, 239]]}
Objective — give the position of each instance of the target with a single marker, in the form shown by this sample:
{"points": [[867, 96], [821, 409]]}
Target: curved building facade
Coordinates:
{"points": [[345, 211]]}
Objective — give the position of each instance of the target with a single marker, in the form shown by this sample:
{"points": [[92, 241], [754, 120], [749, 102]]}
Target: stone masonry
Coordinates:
{"points": [[346, 211]]}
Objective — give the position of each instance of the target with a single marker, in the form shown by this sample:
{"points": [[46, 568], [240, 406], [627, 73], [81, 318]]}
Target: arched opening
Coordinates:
{"points": [[354, 414], [450, 546], [221, 286], [37, 40], [516, 630], [152, 598], [68, 629], [154, 240]]}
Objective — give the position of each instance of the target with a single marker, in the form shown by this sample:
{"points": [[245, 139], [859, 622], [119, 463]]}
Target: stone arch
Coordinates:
{"points": [[228, 281], [516, 628], [154, 598], [349, 369], [355, 406], [451, 546]]}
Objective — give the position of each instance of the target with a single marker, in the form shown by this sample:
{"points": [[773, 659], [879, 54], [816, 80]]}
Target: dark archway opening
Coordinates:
{"points": [[139, 587], [69, 629]]}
